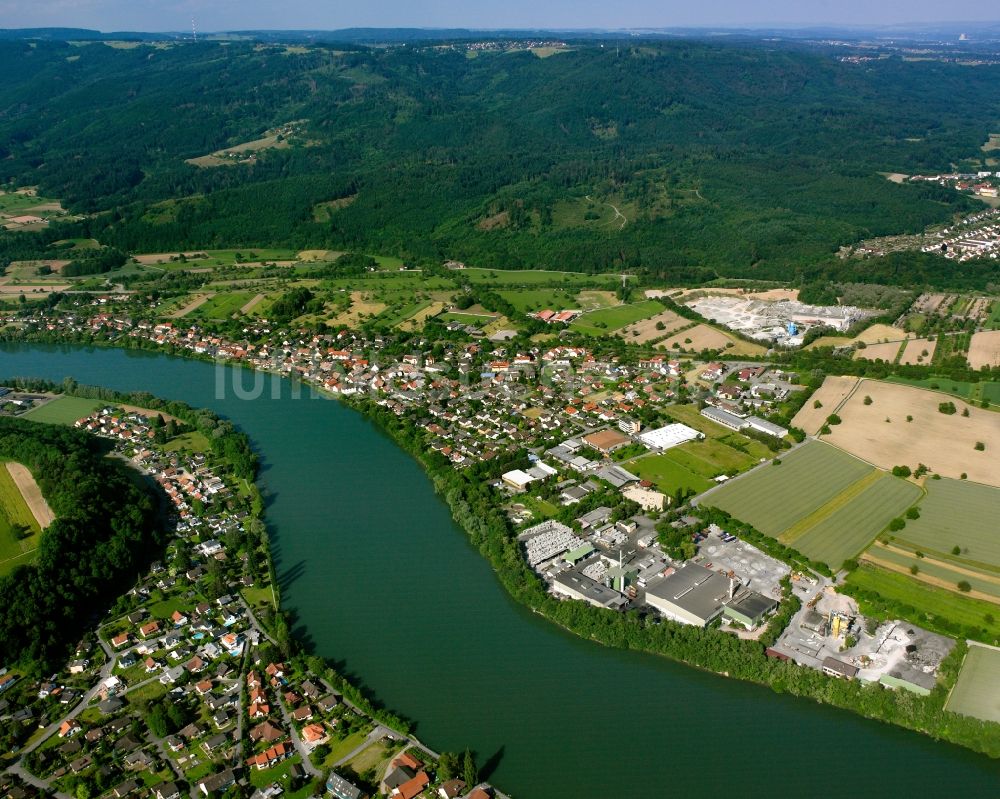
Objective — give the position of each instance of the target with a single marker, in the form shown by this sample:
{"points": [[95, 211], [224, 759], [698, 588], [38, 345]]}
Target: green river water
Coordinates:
{"points": [[385, 584]]}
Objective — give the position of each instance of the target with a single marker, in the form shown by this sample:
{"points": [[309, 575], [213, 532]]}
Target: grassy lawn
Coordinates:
{"points": [[774, 498], [931, 607], [14, 511], [345, 747], [64, 410], [711, 457], [153, 690], [607, 320], [258, 596], [368, 758], [667, 474], [189, 442], [465, 318], [957, 513], [689, 415], [975, 693]]}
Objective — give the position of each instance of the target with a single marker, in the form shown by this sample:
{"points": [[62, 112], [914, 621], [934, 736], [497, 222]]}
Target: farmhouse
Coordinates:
{"points": [[691, 595]]}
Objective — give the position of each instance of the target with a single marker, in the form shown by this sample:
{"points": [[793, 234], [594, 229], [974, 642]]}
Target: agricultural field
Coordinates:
{"points": [[667, 474], [533, 300], [659, 326], [879, 352], [705, 337], [416, 320], [985, 390], [945, 443], [975, 693], [982, 585], [918, 351], [221, 306], [14, 511], [984, 349], [64, 410], [876, 334], [511, 278], [598, 323], [848, 524], [775, 498], [711, 457], [957, 513], [829, 396]]}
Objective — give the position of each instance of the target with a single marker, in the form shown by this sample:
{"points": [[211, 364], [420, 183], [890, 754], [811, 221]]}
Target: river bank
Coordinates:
{"points": [[457, 654]]}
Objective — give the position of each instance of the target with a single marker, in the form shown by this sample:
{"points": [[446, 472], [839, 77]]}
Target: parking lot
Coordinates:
{"points": [[749, 565]]}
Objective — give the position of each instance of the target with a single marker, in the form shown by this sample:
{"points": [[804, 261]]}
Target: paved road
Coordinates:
{"points": [[42, 785]]}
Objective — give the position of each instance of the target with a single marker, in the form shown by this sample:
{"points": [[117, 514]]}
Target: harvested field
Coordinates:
{"points": [[702, 337], [878, 333], [416, 322], [360, 307], [915, 350], [774, 295], [833, 391], [196, 302], [879, 352], [18, 288], [975, 693], [31, 494], [984, 349], [945, 443], [646, 330]]}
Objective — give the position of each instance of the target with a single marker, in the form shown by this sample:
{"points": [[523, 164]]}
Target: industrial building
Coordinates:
{"points": [[725, 418], [749, 609], [691, 595], [670, 436], [578, 586]]}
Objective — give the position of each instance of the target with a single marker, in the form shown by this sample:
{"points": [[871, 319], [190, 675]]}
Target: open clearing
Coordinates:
{"points": [[877, 333], [944, 443], [918, 350], [253, 303], [64, 410], [774, 498], [975, 693], [957, 513], [829, 395], [416, 321], [647, 330], [879, 352], [984, 349], [704, 337], [983, 586], [31, 494]]}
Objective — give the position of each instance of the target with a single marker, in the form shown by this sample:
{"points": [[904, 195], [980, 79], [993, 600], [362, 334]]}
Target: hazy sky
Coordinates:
{"points": [[328, 14]]}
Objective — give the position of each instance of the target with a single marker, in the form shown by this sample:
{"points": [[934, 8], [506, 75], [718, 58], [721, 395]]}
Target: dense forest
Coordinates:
{"points": [[105, 533], [682, 158]]}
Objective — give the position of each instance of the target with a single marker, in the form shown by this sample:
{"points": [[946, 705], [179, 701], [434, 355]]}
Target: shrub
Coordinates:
{"points": [[914, 569], [901, 471], [980, 446], [817, 404], [912, 513], [947, 408], [897, 524], [867, 400], [833, 419], [963, 585], [956, 550]]}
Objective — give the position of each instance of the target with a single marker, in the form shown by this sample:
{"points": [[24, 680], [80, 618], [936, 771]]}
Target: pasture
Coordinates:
{"points": [[511, 278], [774, 498], [532, 300], [975, 693], [597, 323], [957, 513], [943, 442], [64, 410], [222, 306]]}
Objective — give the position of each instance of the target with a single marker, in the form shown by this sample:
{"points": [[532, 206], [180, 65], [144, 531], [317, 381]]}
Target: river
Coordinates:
{"points": [[385, 584]]}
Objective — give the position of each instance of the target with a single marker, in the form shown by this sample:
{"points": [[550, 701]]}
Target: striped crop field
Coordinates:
{"points": [[957, 513], [851, 525], [775, 498], [975, 694]]}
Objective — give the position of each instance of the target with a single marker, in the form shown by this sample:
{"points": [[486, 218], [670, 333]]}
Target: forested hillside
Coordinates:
{"points": [[741, 160], [104, 534]]}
